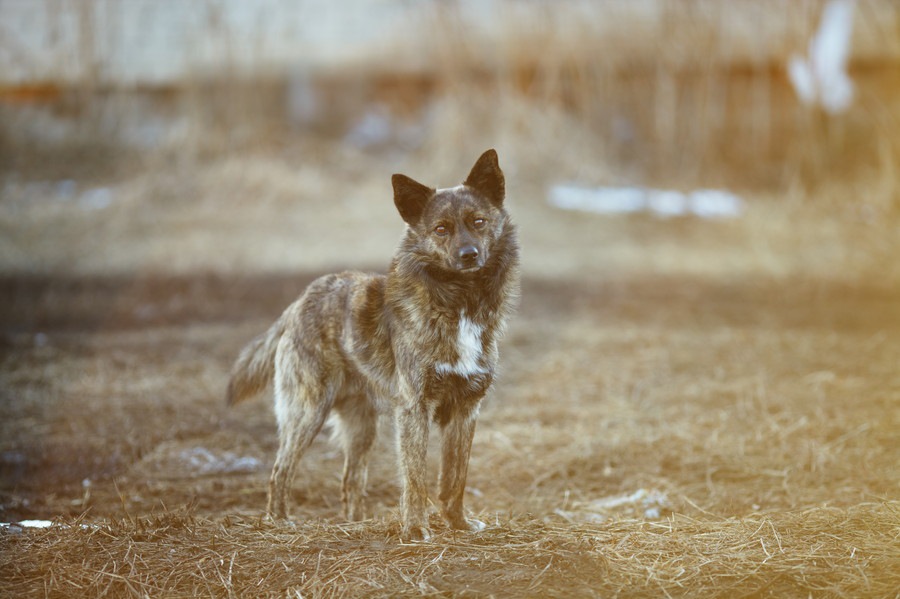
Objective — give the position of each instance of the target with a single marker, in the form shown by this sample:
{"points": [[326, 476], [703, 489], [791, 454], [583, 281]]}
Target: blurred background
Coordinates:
{"points": [[708, 201], [701, 137]]}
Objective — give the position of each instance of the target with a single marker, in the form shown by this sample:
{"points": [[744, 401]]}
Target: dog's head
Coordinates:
{"points": [[454, 229]]}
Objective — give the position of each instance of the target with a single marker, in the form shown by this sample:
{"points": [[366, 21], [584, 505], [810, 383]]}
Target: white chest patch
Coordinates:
{"points": [[469, 349]]}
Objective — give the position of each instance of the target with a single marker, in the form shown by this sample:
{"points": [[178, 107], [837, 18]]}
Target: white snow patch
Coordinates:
{"points": [[642, 503], [663, 203], [821, 77], [28, 524], [97, 198], [41, 524], [204, 461]]}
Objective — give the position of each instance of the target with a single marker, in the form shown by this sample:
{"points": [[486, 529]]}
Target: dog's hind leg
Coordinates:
{"points": [[292, 443], [301, 407], [294, 439], [356, 428]]}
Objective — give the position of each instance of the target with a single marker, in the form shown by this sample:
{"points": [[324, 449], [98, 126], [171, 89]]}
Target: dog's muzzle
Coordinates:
{"points": [[468, 258]]}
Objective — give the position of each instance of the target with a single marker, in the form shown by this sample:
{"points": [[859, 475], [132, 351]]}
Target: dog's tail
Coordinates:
{"points": [[255, 367]]}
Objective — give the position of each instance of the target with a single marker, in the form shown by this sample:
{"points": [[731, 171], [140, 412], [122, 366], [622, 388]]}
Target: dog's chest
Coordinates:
{"points": [[465, 349]]}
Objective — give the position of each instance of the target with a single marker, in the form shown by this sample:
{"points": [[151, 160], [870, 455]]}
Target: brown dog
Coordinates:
{"points": [[421, 340]]}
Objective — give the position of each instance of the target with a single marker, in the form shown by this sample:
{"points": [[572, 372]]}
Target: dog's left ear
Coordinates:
{"points": [[410, 197], [487, 178]]}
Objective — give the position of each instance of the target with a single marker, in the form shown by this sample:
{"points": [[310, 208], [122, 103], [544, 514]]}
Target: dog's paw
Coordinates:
{"points": [[355, 513], [463, 523], [279, 522], [475, 525], [415, 534], [469, 525]]}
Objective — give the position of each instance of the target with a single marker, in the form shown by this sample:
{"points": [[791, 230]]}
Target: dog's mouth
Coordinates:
{"points": [[468, 269], [465, 267]]}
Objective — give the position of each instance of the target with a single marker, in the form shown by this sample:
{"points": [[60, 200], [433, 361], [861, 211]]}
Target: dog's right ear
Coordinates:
{"points": [[487, 178], [410, 197]]}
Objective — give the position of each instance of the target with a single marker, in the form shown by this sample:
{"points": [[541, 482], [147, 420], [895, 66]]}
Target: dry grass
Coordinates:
{"points": [[175, 554]]}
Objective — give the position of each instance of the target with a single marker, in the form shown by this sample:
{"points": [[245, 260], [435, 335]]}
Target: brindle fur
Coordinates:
{"points": [[421, 340]]}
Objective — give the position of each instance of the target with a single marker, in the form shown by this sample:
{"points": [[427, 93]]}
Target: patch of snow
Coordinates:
{"points": [[608, 503], [821, 77], [22, 524], [577, 516], [96, 198], [375, 128], [28, 524], [378, 128], [66, 189], [204, 461], [715, 203], [650, 505], [666, 203], [604, 200], [303, 104], [663, 203]]}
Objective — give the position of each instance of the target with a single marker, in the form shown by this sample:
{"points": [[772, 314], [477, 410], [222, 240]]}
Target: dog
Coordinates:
{"points": [[420, 341]]}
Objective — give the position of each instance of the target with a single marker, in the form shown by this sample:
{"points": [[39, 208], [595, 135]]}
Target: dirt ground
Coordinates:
{"points": [[686, 407]]}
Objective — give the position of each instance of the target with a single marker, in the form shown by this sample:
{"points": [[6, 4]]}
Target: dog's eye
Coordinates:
{"points": [[479, 223], [440, 230]]}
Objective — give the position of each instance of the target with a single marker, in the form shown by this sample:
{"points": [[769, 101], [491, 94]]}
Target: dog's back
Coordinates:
{"points": [[318, 327]]}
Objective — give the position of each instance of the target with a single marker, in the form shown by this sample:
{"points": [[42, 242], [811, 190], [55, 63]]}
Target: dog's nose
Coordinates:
{"points": [[468, 254]]}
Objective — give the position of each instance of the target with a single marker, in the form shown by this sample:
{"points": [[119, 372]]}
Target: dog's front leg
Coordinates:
{"points": [[412, 442], [456, 446]]}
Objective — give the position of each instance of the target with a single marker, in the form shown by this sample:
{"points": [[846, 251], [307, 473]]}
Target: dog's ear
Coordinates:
{"points": [[410, 197], [487, 178]]}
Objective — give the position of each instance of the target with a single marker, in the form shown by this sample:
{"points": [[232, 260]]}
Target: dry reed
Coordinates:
{"points": [[827, 552]]}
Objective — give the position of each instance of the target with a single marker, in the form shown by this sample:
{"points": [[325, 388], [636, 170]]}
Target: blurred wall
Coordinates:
{"points": [[161, 42], [698, 89]]}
